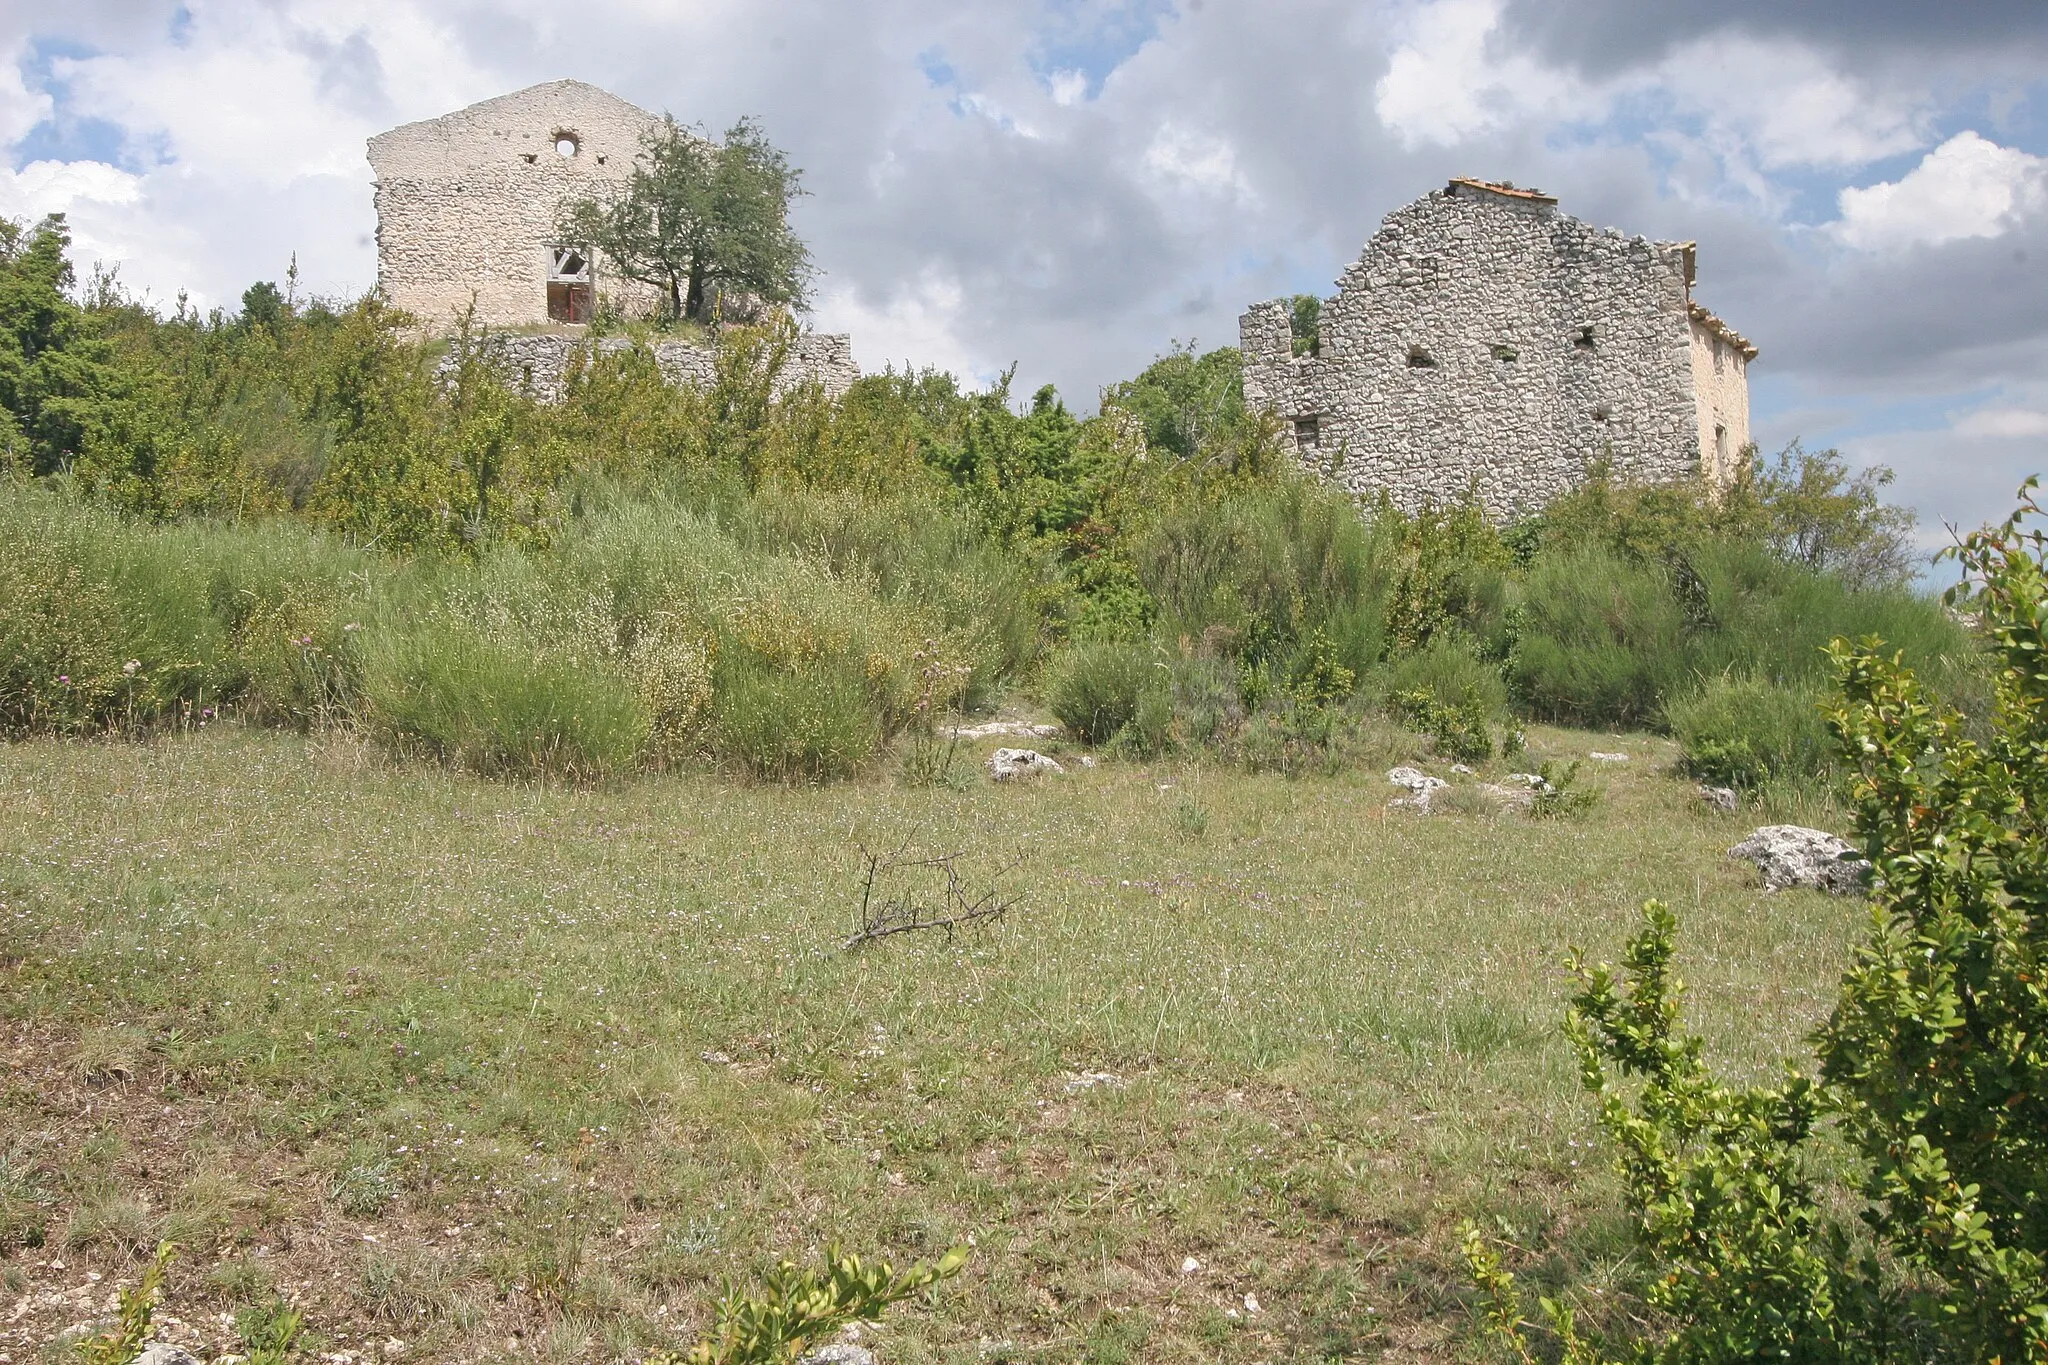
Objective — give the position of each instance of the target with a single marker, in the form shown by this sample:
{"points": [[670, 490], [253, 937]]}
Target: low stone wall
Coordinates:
{"points": [[539, 362]]}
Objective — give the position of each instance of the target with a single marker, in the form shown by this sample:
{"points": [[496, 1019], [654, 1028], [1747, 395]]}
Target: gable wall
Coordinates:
{"points": [[1457, 274], [461, 209]]}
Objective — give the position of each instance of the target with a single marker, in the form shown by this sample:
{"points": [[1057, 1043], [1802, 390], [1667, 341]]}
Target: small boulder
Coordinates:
{"points": [[1599, 757], [1420, 785], [1535, 782], [839, 1353], [1792, 855], [1005, 764], [1720, 798], [164, 1353], [1510, 798]]}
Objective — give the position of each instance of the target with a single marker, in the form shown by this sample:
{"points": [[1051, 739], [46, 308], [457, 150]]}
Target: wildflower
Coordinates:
{"points": [[64, 678]]}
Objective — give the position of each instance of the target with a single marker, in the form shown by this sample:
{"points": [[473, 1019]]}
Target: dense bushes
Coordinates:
{"points": [[1932, 1077], [761, 574]]}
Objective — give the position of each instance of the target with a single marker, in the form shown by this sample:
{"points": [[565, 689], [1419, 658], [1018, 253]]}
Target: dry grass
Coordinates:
{"points": [[485, 1066]]}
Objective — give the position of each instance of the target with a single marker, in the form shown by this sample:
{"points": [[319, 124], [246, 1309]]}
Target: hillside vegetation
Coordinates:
{"points": [[299, 514]]}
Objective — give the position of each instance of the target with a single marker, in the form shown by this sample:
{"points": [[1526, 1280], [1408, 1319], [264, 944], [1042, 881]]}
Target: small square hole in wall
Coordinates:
{"points": [[1308, 433], [1419, 358], [1582, 337], [1603, 412], [1503, 351]]}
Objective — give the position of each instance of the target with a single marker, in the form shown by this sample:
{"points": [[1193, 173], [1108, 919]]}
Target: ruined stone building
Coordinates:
{"points": [[466, 207], [1484, 339]]}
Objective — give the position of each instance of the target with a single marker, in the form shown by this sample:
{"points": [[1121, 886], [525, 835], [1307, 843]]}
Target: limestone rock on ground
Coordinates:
{"points": [[1720, 798], [839, 1353], [164, 1353], [1420, 785], [1792, 855], [1599, 757], [1005, 764], [1001, 729], [1518, 797]]}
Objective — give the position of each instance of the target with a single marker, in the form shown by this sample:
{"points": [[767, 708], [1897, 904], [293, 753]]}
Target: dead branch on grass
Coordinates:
{"points": [[947, 909]]}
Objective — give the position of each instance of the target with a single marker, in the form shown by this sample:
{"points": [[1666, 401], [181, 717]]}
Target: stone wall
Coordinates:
{"points": [[539, 362], [1483, 339], [1720, 381], [466, 202]]}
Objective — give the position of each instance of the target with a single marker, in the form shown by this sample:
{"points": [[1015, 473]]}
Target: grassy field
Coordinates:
{"points": [[468, 1069]]}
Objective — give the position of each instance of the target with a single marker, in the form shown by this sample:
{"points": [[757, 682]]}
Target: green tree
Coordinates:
{"points": [[54, 376], [698, 218]]}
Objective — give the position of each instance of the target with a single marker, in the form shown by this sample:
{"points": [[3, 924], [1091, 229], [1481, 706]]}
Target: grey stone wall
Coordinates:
{"points": [[539, 362], [1484, 339], [466, 202]]}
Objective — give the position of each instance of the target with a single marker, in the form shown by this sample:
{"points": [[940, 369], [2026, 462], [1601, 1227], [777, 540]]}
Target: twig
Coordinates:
{"points": [[904, 913]]}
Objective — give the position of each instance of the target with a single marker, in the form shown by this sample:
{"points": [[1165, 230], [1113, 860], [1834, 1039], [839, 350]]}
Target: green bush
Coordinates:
{"points": [[497, 701], [1932, 1072], [1095, 689], [1739, 732], [1600, 640], [805, 724]]}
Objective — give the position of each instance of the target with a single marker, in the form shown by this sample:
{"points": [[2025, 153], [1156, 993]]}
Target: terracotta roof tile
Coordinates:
{"points": [[1494, 187], [1723, 331]]}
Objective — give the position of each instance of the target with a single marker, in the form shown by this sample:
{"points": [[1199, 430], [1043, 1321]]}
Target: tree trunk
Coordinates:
{"points": [[693, 306]]}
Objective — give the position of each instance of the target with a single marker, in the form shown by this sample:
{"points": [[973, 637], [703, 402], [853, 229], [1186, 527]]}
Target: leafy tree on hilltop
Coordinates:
{"points": [[699, 217], [53, 362]]}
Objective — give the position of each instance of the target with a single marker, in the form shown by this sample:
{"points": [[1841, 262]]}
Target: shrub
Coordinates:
{"points": [[1931, 1065], [1458, 731], [1095, 689], [499, 701], [804, 724], [1600, 641], [1739, 732]]}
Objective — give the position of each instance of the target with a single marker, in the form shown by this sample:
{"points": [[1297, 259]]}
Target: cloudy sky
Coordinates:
{"points": [[1073, 186]]}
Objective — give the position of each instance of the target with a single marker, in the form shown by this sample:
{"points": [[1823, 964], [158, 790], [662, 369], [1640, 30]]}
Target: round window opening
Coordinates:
{"points": [[566, 145]]}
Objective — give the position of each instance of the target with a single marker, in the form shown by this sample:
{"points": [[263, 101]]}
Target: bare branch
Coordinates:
{"points": [[907, 912]]}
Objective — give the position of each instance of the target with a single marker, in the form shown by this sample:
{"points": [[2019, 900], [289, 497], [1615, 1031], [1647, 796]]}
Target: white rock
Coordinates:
{"points": [[1514, 798], [1001, 729], [1792, 855], [839, 1353], [1088, 1080], [1415, 780], [1720, 798], [1420, 785], [1005, 764], [1599, 757], [1462, 768], [1087, 760], [164, 1353], [1190, 1266], [1535, 782]]}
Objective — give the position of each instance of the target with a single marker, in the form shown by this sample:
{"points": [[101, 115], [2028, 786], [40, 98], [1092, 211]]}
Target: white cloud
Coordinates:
{"points": [[1789, 105], [919, 326], [1197, 161], [1444, 84], [1969, 186], [1067, 88], [2017, 422]]}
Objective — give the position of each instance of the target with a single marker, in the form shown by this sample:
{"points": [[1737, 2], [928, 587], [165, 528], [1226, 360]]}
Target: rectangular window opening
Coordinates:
{"points": [[569, 284], [1308, 433]]}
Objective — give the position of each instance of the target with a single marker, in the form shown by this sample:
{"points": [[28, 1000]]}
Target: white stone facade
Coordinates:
{"points": [[466, 208], [466, 202], [1485, 340]]}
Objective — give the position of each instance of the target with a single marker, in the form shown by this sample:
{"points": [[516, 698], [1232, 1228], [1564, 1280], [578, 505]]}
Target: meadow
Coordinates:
{"points": [[477, 1066], [432, 821]]}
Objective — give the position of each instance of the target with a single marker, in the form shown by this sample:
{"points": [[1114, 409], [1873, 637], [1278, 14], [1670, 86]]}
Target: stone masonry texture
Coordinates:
{"points": [[466, 208], [1486, 341], [539, 362]]}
